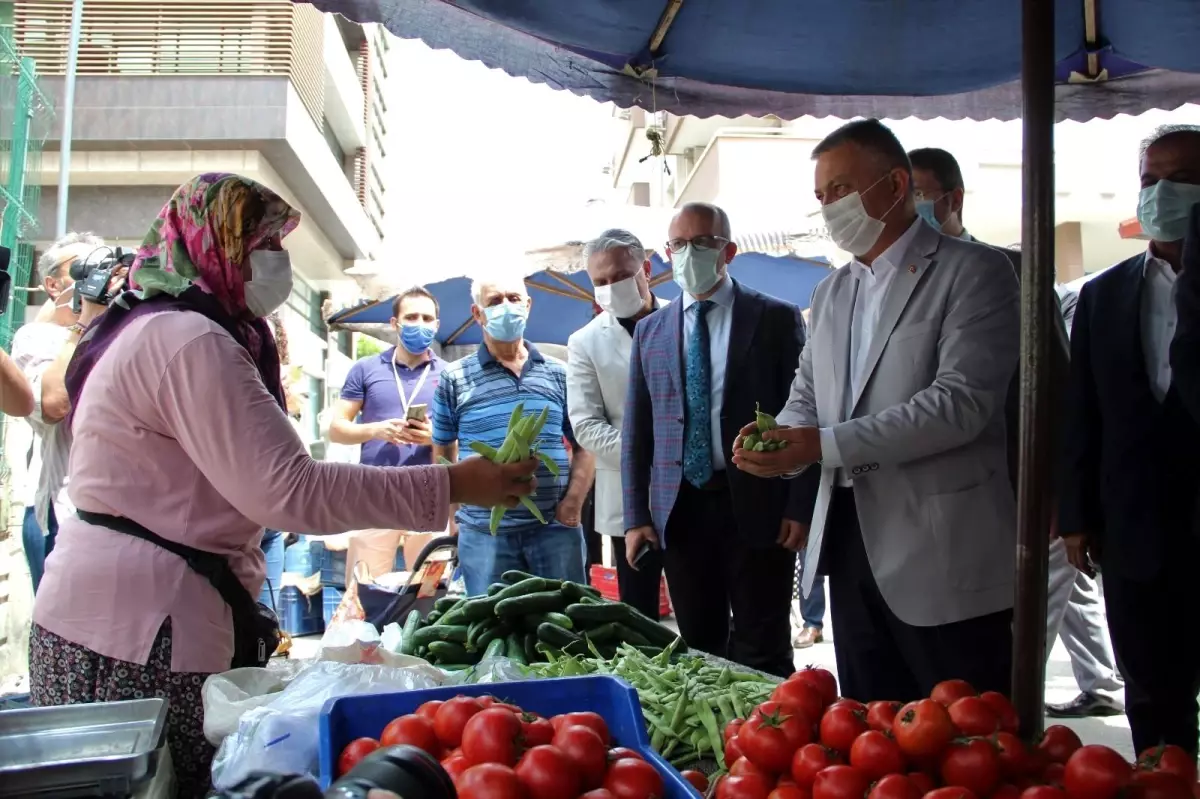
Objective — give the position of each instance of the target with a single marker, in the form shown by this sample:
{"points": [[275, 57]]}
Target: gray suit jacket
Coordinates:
{"points": [[925, 444]]}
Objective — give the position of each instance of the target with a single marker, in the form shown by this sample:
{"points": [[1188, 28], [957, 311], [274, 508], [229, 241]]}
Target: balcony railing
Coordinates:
{"points": [[178, 37]]}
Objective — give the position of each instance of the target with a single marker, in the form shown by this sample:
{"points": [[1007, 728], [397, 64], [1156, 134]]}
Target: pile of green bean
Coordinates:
{"points": [[686, 701]]}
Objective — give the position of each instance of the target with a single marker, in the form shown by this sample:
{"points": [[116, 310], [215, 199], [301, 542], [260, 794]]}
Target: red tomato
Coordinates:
{"points": [[821, 679], [1006, 791], [1052, 774], [767, 744], [810, 760], [546, 773], [1095, 772], [895, 786], [599, 793], [947, 692], [840, 726], [455, 765], [733, 750], [743, 766], [696, 779], [731, 729], [1009, 720], [923, 781], [1015, 760], [743, 786], [952, 792], [584, 718], [492, 736], [841, 782], [1158, 785], [802, 696], [452, 716], [1059, 743], [852, 704], [429, 709], [621, 753], [1043, 792], [789, 792], [1171, 759], [587, 753], [634, 779], [973, 716], [413, 730], [355, 751], [876, 754], [795, 725], [487, 700], [973, 764], [923, 728], [535, 730], [489, 781], [880, 715]]}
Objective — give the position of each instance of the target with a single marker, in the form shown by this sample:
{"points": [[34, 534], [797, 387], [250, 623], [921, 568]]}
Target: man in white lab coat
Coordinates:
{"points": [[597, 377]]}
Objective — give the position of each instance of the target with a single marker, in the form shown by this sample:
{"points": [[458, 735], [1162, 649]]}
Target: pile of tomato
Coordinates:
{"points": [[807, 743], [495, 750]]}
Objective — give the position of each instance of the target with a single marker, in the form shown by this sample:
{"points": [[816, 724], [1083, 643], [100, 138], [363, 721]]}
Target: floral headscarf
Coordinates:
{"points": [[192, 259]]}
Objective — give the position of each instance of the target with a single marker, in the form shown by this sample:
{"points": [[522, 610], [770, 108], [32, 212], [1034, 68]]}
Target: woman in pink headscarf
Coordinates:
{"points": [[180, 429]]}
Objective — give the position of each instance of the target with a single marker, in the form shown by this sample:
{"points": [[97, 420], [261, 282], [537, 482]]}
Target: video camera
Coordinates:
{"points": [[92, 275], [406, 771]]}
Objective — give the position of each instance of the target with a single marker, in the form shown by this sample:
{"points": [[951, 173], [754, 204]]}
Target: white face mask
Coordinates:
{"points": [[850, 226], [270, 282], [621, 299]]}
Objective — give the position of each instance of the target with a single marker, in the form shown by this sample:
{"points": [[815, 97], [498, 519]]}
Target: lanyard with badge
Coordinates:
{"points": [[406, 401]]}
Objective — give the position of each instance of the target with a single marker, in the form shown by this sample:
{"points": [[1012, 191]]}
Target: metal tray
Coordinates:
{"points": [[100, 749]]}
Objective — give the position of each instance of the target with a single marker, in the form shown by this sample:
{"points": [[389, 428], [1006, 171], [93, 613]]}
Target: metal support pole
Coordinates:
{"points": [[68, 113], [1037, 306]]}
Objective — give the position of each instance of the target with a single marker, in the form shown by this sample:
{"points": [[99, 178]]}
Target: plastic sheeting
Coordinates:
{"points": [[842, 58]]}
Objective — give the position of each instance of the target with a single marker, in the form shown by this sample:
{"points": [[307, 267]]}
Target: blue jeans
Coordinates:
{"points": [[37, 546], [812, 607], [272, 546], [551, 551]]}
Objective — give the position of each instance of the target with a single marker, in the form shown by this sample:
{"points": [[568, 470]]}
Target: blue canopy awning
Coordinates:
{"points": [[562, 303], [843, 58]]}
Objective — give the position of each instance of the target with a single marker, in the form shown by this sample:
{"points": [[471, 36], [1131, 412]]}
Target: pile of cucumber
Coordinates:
{"points": [[524, 617]]}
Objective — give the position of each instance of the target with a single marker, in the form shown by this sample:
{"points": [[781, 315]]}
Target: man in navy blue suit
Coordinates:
{"points": [[1130, 471]]}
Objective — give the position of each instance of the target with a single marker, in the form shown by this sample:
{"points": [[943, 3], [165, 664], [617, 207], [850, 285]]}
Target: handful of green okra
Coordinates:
{"points": [[754, 442], [520, 443]]}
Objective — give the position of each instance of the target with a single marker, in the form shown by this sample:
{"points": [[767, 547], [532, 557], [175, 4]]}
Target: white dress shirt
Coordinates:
{"points": [[872, 283], [1158, 322], [720, 320]]}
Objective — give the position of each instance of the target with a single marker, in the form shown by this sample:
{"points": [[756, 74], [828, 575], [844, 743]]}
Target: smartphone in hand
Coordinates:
{"points": [[641, 554], [417, 412]]}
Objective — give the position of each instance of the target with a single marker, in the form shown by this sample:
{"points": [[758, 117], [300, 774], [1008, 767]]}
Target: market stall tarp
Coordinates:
{"points": [[562, 303], [843, 58]]}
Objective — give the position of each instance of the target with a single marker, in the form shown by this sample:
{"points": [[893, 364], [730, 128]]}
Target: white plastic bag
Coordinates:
{"points": [[230, 695], [281, 735], [357, 641]]}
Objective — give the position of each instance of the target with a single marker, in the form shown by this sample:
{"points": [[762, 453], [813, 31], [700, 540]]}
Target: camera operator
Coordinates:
{"points": [[42, 350]]}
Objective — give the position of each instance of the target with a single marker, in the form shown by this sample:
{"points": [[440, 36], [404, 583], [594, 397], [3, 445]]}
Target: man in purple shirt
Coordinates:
{"points": [[385, 407]]}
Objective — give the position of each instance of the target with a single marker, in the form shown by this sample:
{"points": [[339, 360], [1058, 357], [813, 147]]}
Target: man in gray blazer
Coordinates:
{"points": [[899, 401], [597, 380]]}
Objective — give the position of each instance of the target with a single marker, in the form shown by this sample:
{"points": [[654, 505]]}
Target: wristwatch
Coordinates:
{"points": [[77, 329]]}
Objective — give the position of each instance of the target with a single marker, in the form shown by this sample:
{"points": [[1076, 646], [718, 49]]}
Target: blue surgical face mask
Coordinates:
{"points": [[1163, 209], [416, 338], [506, 322], [925, 211], [696, 269]]}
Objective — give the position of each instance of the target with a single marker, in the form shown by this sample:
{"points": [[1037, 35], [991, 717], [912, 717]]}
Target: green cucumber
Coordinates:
{"points": [[556, 637], [480, 609], [448, 652], [529, 642], [574, 592], [630, 636], [514, 576], [496, 588], [560, 619], [602, 634], [586, 615], [514, 649], [456, 615], [407, 645], [433, 617], [651, 630], [531, 585], [491, 633], [529, 604], [445, 603], [440, 632], [495, 649]]}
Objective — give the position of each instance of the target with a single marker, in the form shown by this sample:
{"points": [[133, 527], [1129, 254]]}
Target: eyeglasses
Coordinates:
{"points": [[700, 242], [921, 196]]}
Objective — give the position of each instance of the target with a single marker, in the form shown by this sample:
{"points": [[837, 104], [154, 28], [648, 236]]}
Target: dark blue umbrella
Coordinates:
{"points": [[562, 303]]}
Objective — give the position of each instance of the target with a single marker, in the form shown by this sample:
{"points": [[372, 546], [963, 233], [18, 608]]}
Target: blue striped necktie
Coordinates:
{"points": [[697, 440]]}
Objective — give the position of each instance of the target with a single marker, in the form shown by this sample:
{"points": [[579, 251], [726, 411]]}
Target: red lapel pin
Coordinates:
{"points": [[912, 270]]}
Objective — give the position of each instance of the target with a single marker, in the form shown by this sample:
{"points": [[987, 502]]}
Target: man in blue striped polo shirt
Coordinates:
{"points": [[473, 402]]}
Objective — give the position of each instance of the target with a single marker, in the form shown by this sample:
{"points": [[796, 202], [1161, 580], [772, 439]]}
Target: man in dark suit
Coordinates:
{"points": [[697, 370], [1130, 473], [1185, 348]]}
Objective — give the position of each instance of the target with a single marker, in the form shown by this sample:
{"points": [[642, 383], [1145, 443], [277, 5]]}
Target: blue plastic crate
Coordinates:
{"points": [[332, 597], [333, 567], [304, 556], [300, 614], [350, 717]]}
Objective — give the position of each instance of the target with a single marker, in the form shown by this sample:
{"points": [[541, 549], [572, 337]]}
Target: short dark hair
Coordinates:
{"points": [[415, 291], [941, 164], [872, 135]]}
